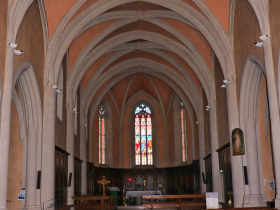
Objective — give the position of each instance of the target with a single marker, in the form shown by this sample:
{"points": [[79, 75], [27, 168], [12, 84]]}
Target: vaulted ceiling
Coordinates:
{"points": [[134, 45]]}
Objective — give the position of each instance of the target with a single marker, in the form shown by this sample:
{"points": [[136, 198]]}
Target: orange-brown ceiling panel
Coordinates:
{"points": [[143, 54], [83, 39], [118, 90], [86, 5], [141, 26], [137, 6], [186, 67], [94, 67], [220, 10], [195, 37], [101, 89], [193, 5], [165, 91], [141, 82], [55, 10]]}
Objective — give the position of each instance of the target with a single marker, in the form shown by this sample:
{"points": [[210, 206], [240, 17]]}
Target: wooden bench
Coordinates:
{"points": [[248, 208], [196, 201], [90, 202]]}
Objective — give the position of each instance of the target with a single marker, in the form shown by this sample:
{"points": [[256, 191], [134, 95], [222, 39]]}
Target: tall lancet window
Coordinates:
{"points": [[101, 135], [184, 133], [143, 136]]}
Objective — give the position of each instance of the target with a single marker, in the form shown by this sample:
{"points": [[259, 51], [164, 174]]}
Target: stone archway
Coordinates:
{"points": [[29, 109]]}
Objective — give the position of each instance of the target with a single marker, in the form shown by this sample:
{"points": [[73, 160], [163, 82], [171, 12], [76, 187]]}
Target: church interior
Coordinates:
{"points": [[110, 103]]}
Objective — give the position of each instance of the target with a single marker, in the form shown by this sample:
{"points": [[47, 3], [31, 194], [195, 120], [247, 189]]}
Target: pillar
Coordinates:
{"points": [[83, 156], [201, 155], [274, 113], [255, 198], [48, 153], [216, 177], [5, 127], [31, 172], [236, 161], [70, 149]]}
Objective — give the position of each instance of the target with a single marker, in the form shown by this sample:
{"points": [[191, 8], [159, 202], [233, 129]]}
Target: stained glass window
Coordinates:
{"points": [[183, 133], [101, 135], [143, 136]]}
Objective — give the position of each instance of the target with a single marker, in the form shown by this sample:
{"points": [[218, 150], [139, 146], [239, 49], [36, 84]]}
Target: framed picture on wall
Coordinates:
{"points": [[237, 138]]}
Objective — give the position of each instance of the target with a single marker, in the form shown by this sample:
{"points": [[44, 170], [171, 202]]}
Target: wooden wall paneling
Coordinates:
{"points": [[61, 176]]}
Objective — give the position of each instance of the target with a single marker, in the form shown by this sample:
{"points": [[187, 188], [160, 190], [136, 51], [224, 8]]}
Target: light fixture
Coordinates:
{"points": [[208, 107], [197, 122], [58, 90], [85, 125], [264, 38], [223, 86], [12, 45], [53, 86], [76, 112], [18, 52], [226, 81], [258, 44], [74, 109]]}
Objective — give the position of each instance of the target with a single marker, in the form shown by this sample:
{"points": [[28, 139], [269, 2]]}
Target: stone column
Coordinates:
{"points": [[83, 156], [70, 149], [31, 172], [274, 114], [216, 177], [255, 198], [5, 127], [48, 153], [236, 161], [201, 155]]}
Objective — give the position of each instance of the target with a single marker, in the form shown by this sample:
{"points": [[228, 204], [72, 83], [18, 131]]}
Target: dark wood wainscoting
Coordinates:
{"points": [[61, 171], [208, 171], [77, 176], [225, 166]]}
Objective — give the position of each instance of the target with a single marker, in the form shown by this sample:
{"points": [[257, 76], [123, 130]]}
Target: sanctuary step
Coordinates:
{"points": [[139, 207]]}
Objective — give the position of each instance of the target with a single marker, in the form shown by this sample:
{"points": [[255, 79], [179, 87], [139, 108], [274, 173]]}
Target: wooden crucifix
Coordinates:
{"points": [[103, 182]]}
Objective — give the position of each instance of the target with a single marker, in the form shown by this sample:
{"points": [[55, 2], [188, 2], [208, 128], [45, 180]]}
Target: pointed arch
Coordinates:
{"points": [[29, 109]]}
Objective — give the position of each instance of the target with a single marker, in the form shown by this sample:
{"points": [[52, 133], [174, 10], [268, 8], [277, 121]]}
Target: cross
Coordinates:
{"points": [[103, 182]]}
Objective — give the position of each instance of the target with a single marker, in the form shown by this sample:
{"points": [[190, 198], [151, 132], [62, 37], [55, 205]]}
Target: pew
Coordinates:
{"points": [[194, 201], [90, 202]]}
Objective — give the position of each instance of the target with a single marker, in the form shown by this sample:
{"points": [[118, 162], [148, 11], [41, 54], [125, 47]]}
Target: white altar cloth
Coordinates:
{"points": [[140, 193]]}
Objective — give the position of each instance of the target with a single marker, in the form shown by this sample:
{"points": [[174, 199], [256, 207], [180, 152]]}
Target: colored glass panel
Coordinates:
{"points": [[103, 141], [137, 125], [149, 125], [184, 136], [143, 125], [150, 150], [143, 150], [137, 150], [138, 109], [99, 137]]}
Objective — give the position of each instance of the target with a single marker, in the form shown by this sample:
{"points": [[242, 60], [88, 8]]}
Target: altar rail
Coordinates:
{"points": [[90, 202], [193, 201]]}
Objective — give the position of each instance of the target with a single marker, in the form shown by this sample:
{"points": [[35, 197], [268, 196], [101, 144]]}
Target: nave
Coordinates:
{"points": [[177, 99]]}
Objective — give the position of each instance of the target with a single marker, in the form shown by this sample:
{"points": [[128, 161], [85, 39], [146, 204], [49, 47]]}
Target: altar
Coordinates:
{"points": [[138, 195]]}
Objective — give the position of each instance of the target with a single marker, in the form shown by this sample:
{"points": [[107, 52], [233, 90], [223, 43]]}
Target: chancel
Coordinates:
{"points": [[139, 104]]}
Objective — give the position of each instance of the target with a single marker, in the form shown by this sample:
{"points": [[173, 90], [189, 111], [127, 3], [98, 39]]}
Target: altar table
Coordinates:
{"points": [[140, 193]]}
